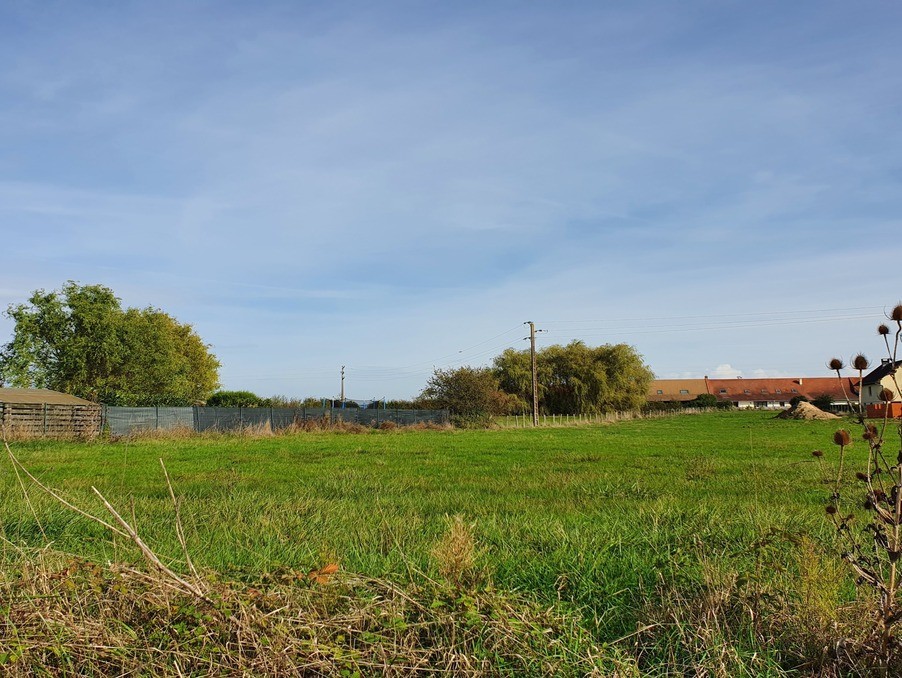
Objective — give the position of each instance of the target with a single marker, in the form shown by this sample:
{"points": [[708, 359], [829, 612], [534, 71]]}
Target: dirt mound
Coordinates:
{"points": [[805, 410]]}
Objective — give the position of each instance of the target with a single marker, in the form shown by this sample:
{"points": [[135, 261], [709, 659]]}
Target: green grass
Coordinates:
{"points": [[591, 519]]}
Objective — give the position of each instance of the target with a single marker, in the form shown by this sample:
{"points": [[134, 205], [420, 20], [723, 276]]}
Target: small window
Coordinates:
{"points": [[777, 390], [723, 390], [794, 391], [764, 390], [747, 392], [684, 391], [660, 392]]}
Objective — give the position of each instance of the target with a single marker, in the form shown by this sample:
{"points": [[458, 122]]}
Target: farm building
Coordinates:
{"points": [[42, 412], [766, 393], [775, 393]]}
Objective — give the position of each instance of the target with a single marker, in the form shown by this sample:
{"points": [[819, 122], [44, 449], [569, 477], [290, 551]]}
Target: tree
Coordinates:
{"points": [[470, 393], [79, 340], [578, 379]]}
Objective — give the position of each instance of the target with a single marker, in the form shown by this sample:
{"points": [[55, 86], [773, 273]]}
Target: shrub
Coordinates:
{"points": [[470, 393], [704, 400], [662, 407], [795, 400], [824, 401], [235, 399]]}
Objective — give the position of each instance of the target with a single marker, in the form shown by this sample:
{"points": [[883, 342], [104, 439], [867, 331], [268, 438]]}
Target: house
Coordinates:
{"points": [[877, 380], [42, 412], [765, 393]]}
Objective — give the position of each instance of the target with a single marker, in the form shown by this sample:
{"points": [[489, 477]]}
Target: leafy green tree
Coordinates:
{"points": [[79, 340], [166, 362], [578, 379]]}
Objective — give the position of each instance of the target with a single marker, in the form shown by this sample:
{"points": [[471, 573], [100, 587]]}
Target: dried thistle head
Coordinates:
{"points": [[842, 437], [835, 364], [831, 509], [887, 396], [896, 313], [859, 362], [882, 329], [817, 453], [862, 476]]}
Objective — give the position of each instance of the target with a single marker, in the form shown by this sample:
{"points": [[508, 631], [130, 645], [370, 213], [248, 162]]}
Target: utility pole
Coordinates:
{"points": [[342, 385], [535, 376]]}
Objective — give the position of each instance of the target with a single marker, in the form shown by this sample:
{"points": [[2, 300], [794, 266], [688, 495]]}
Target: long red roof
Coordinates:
{"points": [[776, 388]]}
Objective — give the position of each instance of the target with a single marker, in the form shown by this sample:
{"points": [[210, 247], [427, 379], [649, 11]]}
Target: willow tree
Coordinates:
{"points": [[578, 379]]}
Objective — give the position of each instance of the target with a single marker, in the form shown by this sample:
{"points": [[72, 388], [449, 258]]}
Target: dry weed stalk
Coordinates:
{"points": [[455, 552], [126, 530], [873, 552]]}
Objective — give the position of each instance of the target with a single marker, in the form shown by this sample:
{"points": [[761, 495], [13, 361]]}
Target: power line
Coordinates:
{"points": [[605, 332], [717, 315], [389, 372]]}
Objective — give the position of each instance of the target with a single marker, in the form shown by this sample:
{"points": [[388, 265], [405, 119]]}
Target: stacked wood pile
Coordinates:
{"points": [[28, 420]]}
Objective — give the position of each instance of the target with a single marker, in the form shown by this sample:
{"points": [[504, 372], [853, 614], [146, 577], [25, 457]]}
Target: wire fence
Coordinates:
{"points": [[122, 421], [525, 420]]}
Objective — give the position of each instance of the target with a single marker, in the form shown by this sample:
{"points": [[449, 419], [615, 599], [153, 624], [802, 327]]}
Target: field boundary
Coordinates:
{"points": [[557, 420]]}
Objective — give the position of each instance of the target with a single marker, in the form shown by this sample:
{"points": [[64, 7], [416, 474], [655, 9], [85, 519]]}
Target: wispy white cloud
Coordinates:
{"points": [[725, 371]]}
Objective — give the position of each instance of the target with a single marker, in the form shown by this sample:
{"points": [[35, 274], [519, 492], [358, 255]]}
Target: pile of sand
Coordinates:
{"points": [[805, 410]]}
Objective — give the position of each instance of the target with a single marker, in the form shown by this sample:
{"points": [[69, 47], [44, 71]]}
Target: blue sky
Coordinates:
{"points": [[397, 186]]}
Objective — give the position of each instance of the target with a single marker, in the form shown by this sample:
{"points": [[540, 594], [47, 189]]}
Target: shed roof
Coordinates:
{"points": [[39, 396]]}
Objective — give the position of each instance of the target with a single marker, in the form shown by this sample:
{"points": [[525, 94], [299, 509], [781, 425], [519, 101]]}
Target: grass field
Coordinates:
{"points": [[619, 526]]}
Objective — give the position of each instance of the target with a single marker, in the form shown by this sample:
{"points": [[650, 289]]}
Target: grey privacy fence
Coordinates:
{"points": [[127, 420]]}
